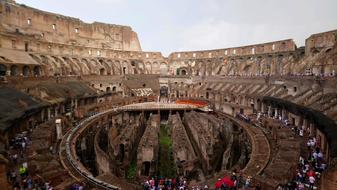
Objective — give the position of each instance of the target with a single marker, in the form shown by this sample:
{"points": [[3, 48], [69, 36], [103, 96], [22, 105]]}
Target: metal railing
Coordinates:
{"points": [[86, 175]]}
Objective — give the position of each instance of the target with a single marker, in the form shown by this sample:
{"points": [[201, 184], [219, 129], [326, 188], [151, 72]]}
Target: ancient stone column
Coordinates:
{"points": [[269, 111], [42, 115], [276, 113], [48, 113]]}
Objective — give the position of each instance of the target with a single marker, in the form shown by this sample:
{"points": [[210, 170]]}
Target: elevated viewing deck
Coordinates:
{"points": [[148, 106]]}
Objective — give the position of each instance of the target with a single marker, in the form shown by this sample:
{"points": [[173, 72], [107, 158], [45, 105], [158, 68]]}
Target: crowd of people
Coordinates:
{"points": [[18, 174], [309, 168], [235, 181], [178, 183], [310, 165]]}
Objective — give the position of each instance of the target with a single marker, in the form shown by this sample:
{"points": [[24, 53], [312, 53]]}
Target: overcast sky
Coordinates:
{"points": [[179, 25]]}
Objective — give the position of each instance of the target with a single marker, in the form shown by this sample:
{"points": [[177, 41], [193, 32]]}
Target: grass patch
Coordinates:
{"points": [[166, 165], [131, 172]]}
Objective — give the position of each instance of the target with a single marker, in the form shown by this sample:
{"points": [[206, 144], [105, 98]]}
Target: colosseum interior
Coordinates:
{"points": [[83, 104]]}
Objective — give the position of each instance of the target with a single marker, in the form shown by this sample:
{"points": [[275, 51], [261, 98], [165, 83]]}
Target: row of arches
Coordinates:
{"points": [[250, 65], [14, 70], [267, 65], [97, 66]]}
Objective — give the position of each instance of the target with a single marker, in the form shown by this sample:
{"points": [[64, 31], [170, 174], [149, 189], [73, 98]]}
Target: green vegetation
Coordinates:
{"points": [[164, 138], [166, 165], [131, 172]]}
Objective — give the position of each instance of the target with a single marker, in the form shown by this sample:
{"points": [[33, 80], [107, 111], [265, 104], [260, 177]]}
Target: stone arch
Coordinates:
{"points": [[102, 71], [232, 67], [146, 168], [141, 67], [117, 66], [65, 68], [126, 68], [14, 70], [114, 89], [155, 67], [279, 66], [163, 69], [26, 71], [208, 68], [148, 68], [105, 66], [83, 68], [108, 67], [183, 72], [202, 68], [50, 66], [3, 70], [75, 69], [258, 104], [90, 67], [96, 66], [164, 91], [108, 89], [37, 71]]}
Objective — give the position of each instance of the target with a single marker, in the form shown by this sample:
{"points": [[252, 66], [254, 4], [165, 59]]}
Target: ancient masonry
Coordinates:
{"points": [[100, 111]]}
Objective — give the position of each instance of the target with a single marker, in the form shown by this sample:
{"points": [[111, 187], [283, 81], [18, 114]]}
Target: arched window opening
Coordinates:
{"points": [[37, 71], [3, 70], [14, 70], [26, 71], [102, 71]]}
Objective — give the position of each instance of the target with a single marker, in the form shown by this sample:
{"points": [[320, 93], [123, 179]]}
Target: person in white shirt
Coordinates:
{"points": [[301, 132], [311, 182]]}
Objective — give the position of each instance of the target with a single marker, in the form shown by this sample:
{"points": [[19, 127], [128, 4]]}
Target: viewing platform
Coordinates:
{"points": [[148, 106]]}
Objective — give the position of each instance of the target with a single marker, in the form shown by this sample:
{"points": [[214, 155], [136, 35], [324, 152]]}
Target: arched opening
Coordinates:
{"points": [[124, 70], [121, 152], [259, 105], [26, 46], [3, 70], [14, 70], [108, 89], [183, 72], [146, 168], [26, 71], [197, 73], [37, 71], [114, 89], [163, 69], [102, 71], [164, 91], [135, 71]]}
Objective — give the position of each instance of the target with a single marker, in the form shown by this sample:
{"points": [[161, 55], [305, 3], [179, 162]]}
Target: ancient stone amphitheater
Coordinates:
{"points": [[100, 112]]}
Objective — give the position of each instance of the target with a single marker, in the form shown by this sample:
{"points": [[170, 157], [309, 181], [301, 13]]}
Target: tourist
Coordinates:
{"points": [[301, 132], [311, 182], [248, 182]]}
